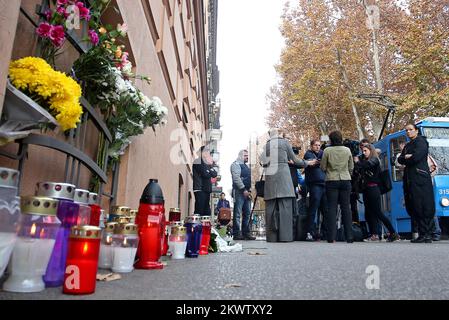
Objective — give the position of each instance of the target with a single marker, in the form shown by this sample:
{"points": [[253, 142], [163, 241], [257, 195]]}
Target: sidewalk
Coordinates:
{"points": [[297, 270]]}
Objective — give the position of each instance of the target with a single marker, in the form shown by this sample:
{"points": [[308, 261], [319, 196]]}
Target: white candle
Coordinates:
{"points": [[106, 256], [177, 249], [29, 262], [7, 241], [123, 259]]}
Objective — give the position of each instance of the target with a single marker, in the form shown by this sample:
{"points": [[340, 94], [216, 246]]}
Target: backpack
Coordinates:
{"points": [[385, 182]]}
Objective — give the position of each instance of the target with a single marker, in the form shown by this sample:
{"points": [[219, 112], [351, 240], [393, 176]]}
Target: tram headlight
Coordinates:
{"points": [[445, 202]]}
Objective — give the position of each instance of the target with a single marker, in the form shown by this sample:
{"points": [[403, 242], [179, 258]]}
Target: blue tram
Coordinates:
{"points": [[436, 130]]}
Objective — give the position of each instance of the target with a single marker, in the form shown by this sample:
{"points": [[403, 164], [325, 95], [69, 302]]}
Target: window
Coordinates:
{"points": [[385, 198], [180, 190], [436, 133], [395, 151], [189, 201]]}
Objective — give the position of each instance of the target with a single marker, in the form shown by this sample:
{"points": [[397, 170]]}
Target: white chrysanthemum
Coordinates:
{"points": [[121, 85], [127, 68]]}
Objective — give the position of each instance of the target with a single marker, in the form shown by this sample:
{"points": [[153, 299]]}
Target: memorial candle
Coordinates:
{"points": [[37, 232], [125, 248], [9, 214]]}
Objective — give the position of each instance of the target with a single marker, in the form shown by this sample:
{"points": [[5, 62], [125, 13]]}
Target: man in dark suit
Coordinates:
{"points": [[203, 171]]}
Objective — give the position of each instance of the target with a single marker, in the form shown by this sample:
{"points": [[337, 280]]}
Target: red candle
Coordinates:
{"points": [[174, 215], [95, 212], [82, 260], [205, 237]]}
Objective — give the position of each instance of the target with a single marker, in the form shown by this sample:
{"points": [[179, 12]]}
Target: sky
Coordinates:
{"points": [[249, 45]]}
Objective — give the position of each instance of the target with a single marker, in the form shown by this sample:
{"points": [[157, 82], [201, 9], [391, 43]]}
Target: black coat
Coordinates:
{"points": [[418, 188], [202, 173], [369, 171]]}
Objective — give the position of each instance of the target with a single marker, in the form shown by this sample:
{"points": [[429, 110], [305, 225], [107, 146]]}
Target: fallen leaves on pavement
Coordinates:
{"points": [[233, 285], [257, 254], [108, 277]]}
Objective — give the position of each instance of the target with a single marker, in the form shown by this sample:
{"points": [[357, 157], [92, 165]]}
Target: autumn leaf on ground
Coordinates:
{"points": [[233, 285], [257, 254]]}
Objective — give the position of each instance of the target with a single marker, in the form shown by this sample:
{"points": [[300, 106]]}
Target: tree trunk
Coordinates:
{"points": [[377, 71], [349, 88], [379, 84]]}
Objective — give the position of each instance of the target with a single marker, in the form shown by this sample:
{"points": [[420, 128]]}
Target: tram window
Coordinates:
{"points": [[395, 151], [385, 198]]}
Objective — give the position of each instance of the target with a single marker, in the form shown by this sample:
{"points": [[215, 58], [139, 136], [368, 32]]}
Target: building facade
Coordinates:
{"points": [[168, 41]]}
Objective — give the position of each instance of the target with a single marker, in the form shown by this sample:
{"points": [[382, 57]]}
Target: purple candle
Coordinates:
{"points": [[68, 215]]}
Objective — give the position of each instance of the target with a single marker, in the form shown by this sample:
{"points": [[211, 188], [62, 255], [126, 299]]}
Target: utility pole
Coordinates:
{"points": [[382, 100], [373, 23]]}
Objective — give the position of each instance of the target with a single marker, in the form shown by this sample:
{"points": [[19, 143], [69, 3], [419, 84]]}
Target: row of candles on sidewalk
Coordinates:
{"points": [[61, 236]]}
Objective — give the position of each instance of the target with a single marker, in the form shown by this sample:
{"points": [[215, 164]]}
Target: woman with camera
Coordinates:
{"points": [[369, 167]]}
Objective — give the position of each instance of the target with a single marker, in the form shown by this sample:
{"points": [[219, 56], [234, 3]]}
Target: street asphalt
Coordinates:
{"points": [[296, 270]]}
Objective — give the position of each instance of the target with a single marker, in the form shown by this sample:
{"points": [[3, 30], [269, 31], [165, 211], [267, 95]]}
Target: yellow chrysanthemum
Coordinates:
{"points": [[61, 92]]}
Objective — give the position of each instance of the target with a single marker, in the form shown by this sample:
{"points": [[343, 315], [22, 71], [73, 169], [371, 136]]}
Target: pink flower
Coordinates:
{"points": [[61, 11], [44, 30], [61, 2], [94, 37], [125, 56], [57, 35], [84, 12], [48, 14]]}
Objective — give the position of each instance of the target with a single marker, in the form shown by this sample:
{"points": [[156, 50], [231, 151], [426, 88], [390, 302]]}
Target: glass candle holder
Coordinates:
{"points": [[132, 216], [36, 238], [194, 231], [164, 243], [82, 260], [177, 242], [205, 236], [125, 248], [67, 213], [9, 214], [95, 212], [117, 212], [106, 249], [174, 215], [82, 198]]}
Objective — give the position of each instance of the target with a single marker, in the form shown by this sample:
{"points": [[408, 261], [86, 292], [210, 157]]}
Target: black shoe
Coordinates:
{"points": [[436, 238], [238, 237], [350, 241], [248, 237], [422, 240], [393, 237]]}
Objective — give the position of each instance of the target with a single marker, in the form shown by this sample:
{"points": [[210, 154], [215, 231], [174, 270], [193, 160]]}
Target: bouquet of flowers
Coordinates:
{"points": [[53, 90], [67, 15], [107, 76]]}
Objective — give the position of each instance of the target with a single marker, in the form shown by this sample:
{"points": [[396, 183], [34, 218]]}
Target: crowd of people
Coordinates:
{"points": [[333, 179]]}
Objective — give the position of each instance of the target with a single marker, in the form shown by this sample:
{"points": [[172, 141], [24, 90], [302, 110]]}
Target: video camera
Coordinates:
{"points": [[353, 145]]}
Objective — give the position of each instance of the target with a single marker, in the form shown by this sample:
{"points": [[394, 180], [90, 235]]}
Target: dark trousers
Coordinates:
{"points": [[422, 217], [373, 210], [202, 203], [355, 211], [436, 230], [317, 193], [242, 209], [338, 193]]}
